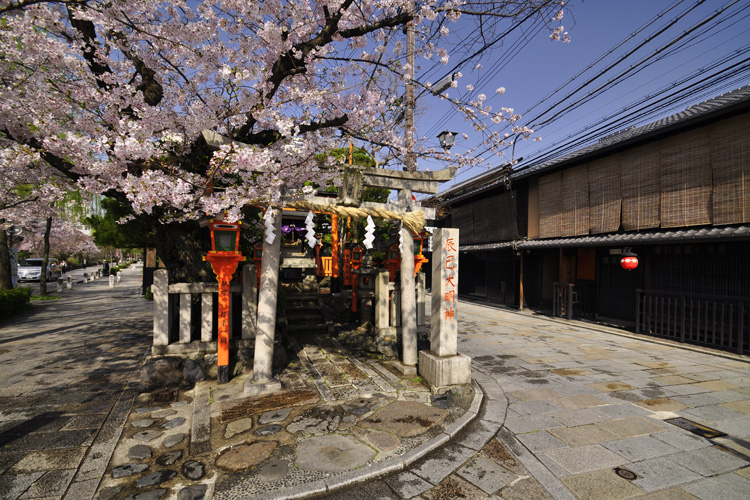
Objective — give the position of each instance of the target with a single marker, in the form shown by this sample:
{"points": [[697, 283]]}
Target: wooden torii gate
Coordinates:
{"points": [[409, 212]]}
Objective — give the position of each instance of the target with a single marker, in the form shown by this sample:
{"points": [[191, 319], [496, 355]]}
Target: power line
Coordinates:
{"points": [[635, 68]]}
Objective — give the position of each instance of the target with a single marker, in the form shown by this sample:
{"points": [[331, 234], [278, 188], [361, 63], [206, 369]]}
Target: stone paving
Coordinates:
{"points": [[67, 382], [558, 410], [587, 401], [337, 420]]}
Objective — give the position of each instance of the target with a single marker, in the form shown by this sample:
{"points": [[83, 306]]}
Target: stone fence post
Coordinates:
{"points": [[69, 283], [249, 300], [421, 299], [160, 289]]}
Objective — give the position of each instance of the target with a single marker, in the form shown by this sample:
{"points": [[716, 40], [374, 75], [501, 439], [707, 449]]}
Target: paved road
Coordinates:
{"points": [[64, 387]]}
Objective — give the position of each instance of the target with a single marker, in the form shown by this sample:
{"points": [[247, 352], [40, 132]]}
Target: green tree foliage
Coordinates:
{"points": [[137, 232]]}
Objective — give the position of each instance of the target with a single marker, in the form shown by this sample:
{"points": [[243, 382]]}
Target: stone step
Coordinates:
{"points": [[299, 305], [307, 327], [301, 317], [297, 296]]}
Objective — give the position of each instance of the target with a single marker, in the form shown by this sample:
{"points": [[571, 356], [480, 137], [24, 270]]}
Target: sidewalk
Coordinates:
{"points": [[67, 382]]}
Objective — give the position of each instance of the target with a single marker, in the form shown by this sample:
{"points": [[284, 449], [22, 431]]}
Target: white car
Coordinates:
{"points": [[31, 270]]}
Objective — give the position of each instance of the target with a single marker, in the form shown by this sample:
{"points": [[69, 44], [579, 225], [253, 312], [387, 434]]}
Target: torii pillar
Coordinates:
{"points": [[442, 365], [409, 350], [262, 381]]}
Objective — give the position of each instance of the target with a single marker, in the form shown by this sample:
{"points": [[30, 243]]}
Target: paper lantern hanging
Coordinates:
{"points": [[628, 260]]}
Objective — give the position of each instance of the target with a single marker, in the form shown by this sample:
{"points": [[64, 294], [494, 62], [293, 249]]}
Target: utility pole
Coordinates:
{"points": [[411, 158]]}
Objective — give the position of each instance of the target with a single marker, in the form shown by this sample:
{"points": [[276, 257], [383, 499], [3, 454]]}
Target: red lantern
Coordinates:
{"points": [[628, 260]]}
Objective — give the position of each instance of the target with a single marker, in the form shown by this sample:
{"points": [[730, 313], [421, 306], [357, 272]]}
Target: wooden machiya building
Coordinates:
{"points": [[676, 192]]}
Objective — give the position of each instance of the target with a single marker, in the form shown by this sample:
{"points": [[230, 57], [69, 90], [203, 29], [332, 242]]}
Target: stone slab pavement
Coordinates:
{"points": [[66, 373], [578, 410], [567, 410]]}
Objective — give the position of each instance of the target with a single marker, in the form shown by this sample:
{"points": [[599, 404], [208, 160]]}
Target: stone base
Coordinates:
{"points": [[404, 369], [444, 371], [256, 389]]}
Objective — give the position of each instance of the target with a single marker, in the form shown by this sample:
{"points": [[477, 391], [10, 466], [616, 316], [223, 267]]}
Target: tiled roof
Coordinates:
{"points": [[643, 238]]}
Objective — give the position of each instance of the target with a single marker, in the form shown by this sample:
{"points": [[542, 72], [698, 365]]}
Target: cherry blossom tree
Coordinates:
{"points": [[116, 96], [66, 239]]}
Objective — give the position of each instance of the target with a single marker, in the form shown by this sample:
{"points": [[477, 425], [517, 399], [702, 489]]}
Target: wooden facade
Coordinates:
{"points": [[677, 192]]}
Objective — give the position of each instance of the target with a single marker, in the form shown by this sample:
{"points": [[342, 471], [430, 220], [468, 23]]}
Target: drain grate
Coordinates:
{"points": [[626, 474], [695, 428]]}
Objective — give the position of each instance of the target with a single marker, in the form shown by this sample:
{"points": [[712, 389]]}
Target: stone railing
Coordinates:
{"points": [[177, 304]]}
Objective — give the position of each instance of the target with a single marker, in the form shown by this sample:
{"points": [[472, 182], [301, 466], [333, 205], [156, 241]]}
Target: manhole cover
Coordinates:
{"points": [[165, 397], [625, 473], [695, 428]]}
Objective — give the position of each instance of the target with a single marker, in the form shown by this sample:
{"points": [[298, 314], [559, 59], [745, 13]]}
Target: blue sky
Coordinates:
{"points": [[596, 27]]}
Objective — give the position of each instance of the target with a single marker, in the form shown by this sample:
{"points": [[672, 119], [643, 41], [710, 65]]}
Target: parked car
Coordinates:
{"points": [[31, 270]]}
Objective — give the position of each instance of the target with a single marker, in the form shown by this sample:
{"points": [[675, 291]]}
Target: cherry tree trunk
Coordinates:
{"points": [[6, 281]]}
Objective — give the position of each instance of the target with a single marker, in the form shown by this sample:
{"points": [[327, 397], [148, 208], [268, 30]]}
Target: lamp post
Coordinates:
{"points": [[224, 257], [447, 139]]}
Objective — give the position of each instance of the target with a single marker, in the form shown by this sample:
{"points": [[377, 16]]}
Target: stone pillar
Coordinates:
{"points": [[395, 305], [186, 300], [443, 321], [111, 280], [160, 289], [249, 301], [408, 300], [442, 365], [266, 324], [69, 283], [59, 285], [420, 299], [382, 306], [207, 317]]}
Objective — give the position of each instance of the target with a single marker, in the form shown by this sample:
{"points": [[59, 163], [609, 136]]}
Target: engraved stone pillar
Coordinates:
{"points": [[443, 366]]}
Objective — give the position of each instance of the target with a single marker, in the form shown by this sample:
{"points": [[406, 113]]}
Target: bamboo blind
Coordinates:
{"points": [[575, 201], [730, 157], [463, 219], [604, 195], [640, 187], [550, 205], [686, 180], [496, 216], [483, 219]]}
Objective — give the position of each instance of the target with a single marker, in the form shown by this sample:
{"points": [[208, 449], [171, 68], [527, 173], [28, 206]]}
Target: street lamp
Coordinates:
{"points": [[224, 257], [224, 237], [447, 139]]}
